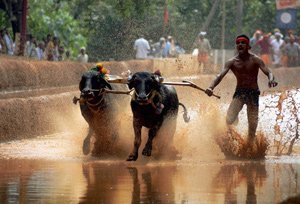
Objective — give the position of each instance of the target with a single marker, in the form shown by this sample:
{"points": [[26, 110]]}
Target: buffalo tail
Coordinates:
{"points": [[185, 114]]}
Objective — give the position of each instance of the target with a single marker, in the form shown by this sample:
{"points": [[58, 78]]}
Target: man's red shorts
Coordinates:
{"points": [[203, 57]]}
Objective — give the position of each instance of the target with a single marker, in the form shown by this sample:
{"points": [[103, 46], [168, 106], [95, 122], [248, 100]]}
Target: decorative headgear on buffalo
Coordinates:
{"points": [[101, 69]]}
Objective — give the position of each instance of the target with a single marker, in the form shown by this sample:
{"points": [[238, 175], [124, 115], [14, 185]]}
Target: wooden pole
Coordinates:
{"points": [[223, 24], [119, 80], [239, 16], [23, 28]]}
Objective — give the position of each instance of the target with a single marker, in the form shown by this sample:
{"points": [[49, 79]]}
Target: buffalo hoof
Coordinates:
{"points": [[147, 152], [86, 146], [132, 157]]}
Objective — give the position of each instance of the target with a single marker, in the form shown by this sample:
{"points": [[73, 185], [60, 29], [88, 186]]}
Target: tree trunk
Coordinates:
{"points": [[208, 19], [239, 16]]}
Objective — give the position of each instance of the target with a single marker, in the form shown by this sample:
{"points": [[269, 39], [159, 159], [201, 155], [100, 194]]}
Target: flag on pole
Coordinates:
{"points": [[166, 18], [286, 18], [166, 15]]}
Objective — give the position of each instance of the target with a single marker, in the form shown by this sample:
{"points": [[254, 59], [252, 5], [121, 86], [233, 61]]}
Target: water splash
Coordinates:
{"points": [[235, 146]]}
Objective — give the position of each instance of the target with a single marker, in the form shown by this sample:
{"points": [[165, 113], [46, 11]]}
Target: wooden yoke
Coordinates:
{"points": [[120, 80], [188, 83]]}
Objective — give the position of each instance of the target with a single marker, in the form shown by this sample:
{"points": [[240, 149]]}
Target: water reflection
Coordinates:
{"points": [[120, 183], [39, 181], [106, 183], [36, 181], [152, 185], [230, 177]]}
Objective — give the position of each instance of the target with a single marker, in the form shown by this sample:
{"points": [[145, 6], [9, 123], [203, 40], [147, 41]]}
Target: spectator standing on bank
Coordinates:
{"points": [[151, 51], [204, 49], [8, 42], [291, 34], [30, 47], [142, 48], [68, 56], [61, 51], [40, 51], [292, 50], [82, 57], [166, 50], [265, 49], [272, 36], [49, 50], [284, 57], [56, 44], [2, 43], [158, 47], [179, 49], [276, 44], [172, 50], [256, 37]]}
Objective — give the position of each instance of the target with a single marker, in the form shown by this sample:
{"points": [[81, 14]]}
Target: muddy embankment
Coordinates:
{"points": [[36, 96]]}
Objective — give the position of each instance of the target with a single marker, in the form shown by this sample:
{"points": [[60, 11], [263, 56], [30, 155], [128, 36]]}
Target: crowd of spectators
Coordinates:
{"points": [[277, 49], [49, 48], [166, 47]]}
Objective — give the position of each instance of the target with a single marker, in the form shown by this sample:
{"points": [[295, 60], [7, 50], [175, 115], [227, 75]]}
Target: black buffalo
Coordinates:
{"points": [[99, 110], [154, 106]]}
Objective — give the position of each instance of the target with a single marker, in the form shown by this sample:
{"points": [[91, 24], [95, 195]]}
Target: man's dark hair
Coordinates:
{"points": [[243, 35]]}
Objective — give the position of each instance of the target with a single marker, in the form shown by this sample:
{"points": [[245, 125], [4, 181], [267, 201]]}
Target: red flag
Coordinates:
{"points": [[284, 4], [166, 16]]}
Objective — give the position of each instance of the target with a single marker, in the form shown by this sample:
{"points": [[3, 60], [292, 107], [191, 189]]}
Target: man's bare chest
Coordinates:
{"points": [[244, 66]]}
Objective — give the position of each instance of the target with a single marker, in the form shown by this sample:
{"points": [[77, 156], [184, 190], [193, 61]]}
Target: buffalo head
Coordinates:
{"points": [[144, 83], [91, 84]]}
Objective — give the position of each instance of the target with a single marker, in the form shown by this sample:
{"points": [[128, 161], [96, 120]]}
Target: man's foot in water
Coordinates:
{"points": [[251, 144], [230, 129]]}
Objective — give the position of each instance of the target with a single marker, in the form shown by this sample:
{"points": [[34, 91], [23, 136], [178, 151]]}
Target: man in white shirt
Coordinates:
{"points": [[9, 42], [83, 57], [276, 44], [142, 48], [40, 51]]}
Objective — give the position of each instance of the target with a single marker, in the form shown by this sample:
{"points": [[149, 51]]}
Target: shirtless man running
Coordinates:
{"points": [[245, 66]]}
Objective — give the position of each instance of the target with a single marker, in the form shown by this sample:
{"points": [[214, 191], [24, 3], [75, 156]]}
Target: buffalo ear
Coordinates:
{"points": [[102, 81], [108, 85], [156, 81], [130, 80], [159, 79], [81, 84]]}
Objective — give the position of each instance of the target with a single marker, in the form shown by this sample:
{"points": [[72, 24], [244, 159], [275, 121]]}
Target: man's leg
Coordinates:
{"points": [[252, 113], [235, 107]]}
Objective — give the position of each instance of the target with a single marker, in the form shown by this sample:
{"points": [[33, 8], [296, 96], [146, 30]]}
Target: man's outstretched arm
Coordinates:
{"points": [[267, 72], [218, 79]]}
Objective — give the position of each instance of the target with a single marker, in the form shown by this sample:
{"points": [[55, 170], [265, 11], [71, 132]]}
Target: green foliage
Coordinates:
{"points": [[108, 28], [188, 16], [3, 20], [260, 15], [115, 25], [54, 17]]}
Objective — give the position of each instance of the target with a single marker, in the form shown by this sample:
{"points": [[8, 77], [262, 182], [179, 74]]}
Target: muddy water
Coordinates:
{"points": [[52, 168], [83, 180]]}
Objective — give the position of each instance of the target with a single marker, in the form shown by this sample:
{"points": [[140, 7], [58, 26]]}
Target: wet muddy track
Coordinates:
{"points": [[41, 159]]}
